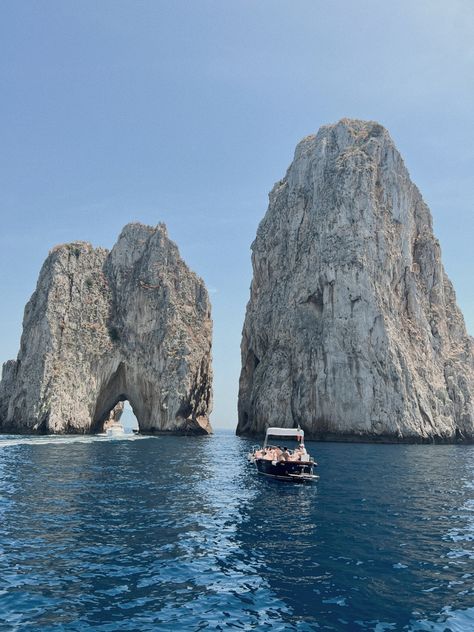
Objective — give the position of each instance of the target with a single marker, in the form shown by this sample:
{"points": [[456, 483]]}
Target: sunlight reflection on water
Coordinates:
{"points": [[170, 533]]}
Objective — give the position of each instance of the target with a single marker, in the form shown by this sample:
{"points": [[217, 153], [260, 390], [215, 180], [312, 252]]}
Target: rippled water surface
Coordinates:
{"points": [[181, 534]]}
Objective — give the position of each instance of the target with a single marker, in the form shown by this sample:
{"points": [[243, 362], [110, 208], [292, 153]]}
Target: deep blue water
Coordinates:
{"points": [[181, 534]]}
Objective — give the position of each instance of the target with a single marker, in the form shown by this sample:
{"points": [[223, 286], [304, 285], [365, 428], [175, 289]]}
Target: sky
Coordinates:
{"points": [[187, 112]]}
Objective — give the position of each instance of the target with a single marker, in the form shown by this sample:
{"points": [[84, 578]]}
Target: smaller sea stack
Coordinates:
{"points": [[103, 327]]}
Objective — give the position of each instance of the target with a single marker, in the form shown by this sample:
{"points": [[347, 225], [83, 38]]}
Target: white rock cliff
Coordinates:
{"points": [[103, 327], [352, 328]]}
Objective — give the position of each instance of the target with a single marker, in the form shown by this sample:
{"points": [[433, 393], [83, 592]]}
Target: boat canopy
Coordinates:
{"points": [[284, 432]]}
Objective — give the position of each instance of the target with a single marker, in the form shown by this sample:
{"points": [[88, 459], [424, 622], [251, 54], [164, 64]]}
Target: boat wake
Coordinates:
{"points": [[8, 441]]}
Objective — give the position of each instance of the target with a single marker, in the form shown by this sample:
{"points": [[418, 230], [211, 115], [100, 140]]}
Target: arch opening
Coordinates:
{"points": [[128, 419], [114, 403], [122, 411]]}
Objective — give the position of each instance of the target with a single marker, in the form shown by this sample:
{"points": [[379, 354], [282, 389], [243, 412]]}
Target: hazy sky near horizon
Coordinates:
{"points": [[187, 112]]}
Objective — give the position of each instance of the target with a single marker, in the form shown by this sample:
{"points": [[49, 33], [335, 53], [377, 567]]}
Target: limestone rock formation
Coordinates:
{"points": [[352, 329], [102, 327]]}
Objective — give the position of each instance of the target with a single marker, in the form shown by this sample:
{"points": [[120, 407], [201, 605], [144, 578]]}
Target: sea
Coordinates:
{"points": [[181, 533]]}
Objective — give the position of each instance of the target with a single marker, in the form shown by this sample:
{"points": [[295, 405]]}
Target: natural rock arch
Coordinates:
{"points": [[133, 323], [110, 401]]}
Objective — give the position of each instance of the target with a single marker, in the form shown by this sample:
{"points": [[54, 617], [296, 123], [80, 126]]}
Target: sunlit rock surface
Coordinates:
{"points": [[103, 327], [352, 329]]}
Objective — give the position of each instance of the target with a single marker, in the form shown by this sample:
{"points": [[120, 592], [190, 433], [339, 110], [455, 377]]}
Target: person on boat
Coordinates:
{"points": [[267, 454], [298, 454], [277, 452], [272, 454], [282, 455], [295, 456]]}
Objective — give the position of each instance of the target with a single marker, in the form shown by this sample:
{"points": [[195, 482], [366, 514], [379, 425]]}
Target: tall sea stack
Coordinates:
{"points": [[352, 329], [103, 327]]}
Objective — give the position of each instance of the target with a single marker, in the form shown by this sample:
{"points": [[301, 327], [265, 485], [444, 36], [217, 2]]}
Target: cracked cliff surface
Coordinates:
{"points": [[133, 323], [352, 328]]}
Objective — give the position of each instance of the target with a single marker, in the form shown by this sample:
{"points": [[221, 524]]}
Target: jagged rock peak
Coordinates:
{"points": [[102, 327], [352, 329]]}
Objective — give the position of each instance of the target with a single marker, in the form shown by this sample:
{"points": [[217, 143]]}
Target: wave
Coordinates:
{"points": [[8, 441]]}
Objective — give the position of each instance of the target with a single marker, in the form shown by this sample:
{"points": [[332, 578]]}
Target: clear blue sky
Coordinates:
{"points": [[187, 112]]}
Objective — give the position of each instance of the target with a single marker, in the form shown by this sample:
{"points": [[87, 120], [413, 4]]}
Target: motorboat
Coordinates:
{"points": [[287, 465], [114, 430]]}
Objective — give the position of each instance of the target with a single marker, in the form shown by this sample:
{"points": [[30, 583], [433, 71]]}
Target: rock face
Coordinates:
{"points": [[352, 329], [103, 327]]}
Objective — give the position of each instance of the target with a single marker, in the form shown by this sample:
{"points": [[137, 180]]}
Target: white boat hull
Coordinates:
{"points": [[115, 433]]}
